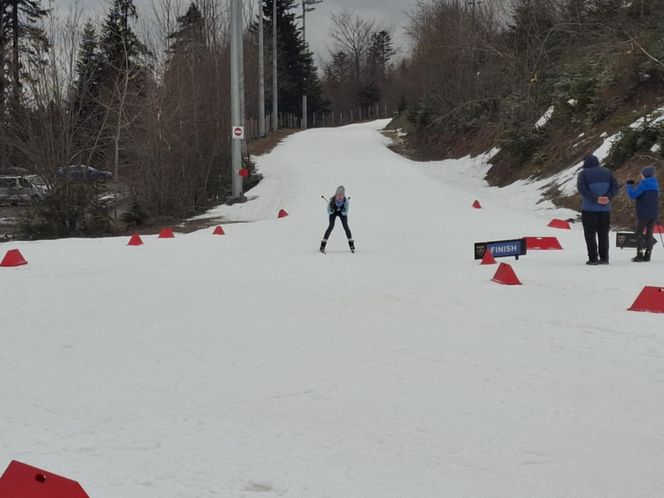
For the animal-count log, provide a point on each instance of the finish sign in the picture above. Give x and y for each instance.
(502, 248)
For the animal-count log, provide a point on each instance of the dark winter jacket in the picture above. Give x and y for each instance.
(593, 182)
(342, 208)
(646, 194)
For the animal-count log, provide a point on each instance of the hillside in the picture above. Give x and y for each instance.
(542, 83)
(562, 152)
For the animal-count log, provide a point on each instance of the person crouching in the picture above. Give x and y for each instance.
(338, 207)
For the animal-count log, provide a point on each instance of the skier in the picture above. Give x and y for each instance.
(646, 194)
(597, 187)
(338, 206)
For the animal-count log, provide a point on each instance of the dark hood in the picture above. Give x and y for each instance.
(590, 162)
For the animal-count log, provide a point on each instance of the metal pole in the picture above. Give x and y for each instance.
(275, 105)
(261, 73)
(304, 41)
(236, 145)
(240, 45)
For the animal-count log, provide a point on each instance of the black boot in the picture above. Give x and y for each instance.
(351, 244)
(323, 243)
(639, 257)
(646, 256)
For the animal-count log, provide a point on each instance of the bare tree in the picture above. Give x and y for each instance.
(353, 35)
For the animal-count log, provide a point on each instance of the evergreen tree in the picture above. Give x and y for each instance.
(87, 64)
(27, 38)
(337, 82)
(21, 42)
(296, 71)
(120, 47)
(123, 76)
(85, 105)
(531, 23)
(379, 55)
(4, 32)
(189, 38)
(381, 52)
(368, 95)
(338, 71)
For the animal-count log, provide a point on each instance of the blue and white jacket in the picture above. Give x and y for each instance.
(333, 207)
(593, 182)
(646, 194)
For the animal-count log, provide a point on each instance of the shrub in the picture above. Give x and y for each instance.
(136, 215)
(632, 142)
(519, 144)
(68, 209)
(577, 97)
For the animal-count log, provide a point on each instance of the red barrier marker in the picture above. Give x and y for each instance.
(487, 258)
(135, 240)
(505, 275)
(218, 230)
(24, 481)
(542, 243)
(556, 223)
(13, 258)
(166, 233)
(477, 205)
(650, 300)
(282, 213)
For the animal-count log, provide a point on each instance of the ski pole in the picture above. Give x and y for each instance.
(326, 199)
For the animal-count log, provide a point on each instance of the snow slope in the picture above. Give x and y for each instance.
(252, 365)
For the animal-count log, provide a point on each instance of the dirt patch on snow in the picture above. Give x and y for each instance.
(424, 148)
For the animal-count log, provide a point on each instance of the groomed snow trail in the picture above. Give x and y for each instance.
(252, 365)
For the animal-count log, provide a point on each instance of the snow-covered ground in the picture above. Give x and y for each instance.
(252, 365)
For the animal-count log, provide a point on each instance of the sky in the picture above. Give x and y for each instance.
(392, 14)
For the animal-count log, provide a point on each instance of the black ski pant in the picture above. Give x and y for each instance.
(644, 238)
(596, 225)
(344, 222)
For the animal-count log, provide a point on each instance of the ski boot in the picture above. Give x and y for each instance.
(646, 256)
(639, 257)
(323, 243)
(351, 244)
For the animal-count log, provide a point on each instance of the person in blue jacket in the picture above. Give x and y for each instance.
(338, 207)
(646, 194)
(597, 187)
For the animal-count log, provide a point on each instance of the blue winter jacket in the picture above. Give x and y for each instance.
(595, 181)
(646, 194)
(333, 208)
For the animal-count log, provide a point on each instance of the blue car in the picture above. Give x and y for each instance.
(83, 173)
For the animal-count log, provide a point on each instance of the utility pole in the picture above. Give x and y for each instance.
(261, 73)
(237, 130)
(275, 104)
(305, 3)
(243, 108)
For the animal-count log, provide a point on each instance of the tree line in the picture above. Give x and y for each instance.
(153, 108)
(494, 68)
